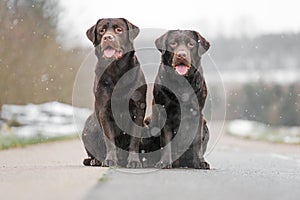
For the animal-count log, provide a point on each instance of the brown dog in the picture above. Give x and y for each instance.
(181, 58)
(113, 41)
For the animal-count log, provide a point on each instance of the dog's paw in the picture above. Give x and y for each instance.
(163, 165)
(201, 165)
(134, 164)
(87, 161)
(109, 163)
(94, 162)
(91, 162)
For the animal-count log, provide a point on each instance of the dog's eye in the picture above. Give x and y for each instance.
(173, 44)
(119, 30)
(191, 45)
(102, 31)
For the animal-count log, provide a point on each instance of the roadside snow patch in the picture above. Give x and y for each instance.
(49, 119)
(259, 131)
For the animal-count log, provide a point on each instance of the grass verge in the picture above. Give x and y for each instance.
(104, 179)
(13, 141)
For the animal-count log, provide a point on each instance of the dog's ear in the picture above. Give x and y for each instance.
(133, 30)
(91, 33)
(160, 42)
(203, 44)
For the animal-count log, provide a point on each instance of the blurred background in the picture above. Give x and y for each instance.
(255, 48)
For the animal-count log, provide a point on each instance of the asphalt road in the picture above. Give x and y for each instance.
(46, 171)
(241, 170)
(236, 175)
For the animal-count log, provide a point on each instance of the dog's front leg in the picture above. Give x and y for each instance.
(109, 139)
(166, 157)
(133, 157)
(199, 147)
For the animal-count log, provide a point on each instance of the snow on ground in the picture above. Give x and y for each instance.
(49, 119)
(259, 131)
(278, 76)
(54, 119)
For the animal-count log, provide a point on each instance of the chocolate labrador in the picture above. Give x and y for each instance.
(181, 52)
(106, 143)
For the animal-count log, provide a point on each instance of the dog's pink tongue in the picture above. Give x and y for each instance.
(108, 53)
(181, 69)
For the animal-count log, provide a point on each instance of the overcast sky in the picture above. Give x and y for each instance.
(210, 17)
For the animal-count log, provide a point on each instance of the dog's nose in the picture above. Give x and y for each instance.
(108, 37)
(181, 54)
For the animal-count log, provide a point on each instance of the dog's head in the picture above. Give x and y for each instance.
(182, 49)
(112, 37)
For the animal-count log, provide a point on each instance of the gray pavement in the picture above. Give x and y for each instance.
(241, 170)
(46, 171)
(236, 174)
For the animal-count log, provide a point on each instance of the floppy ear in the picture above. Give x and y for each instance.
(160, 43)
(133, 30)
(203, 44)
(91, 33)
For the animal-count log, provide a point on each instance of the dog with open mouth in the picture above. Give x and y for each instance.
(105, 142)
(181, 52)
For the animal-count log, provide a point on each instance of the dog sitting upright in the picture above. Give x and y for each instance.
(181, 58)
(105, 142)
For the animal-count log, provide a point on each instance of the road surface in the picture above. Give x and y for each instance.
(241, 170)
(46, 171)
